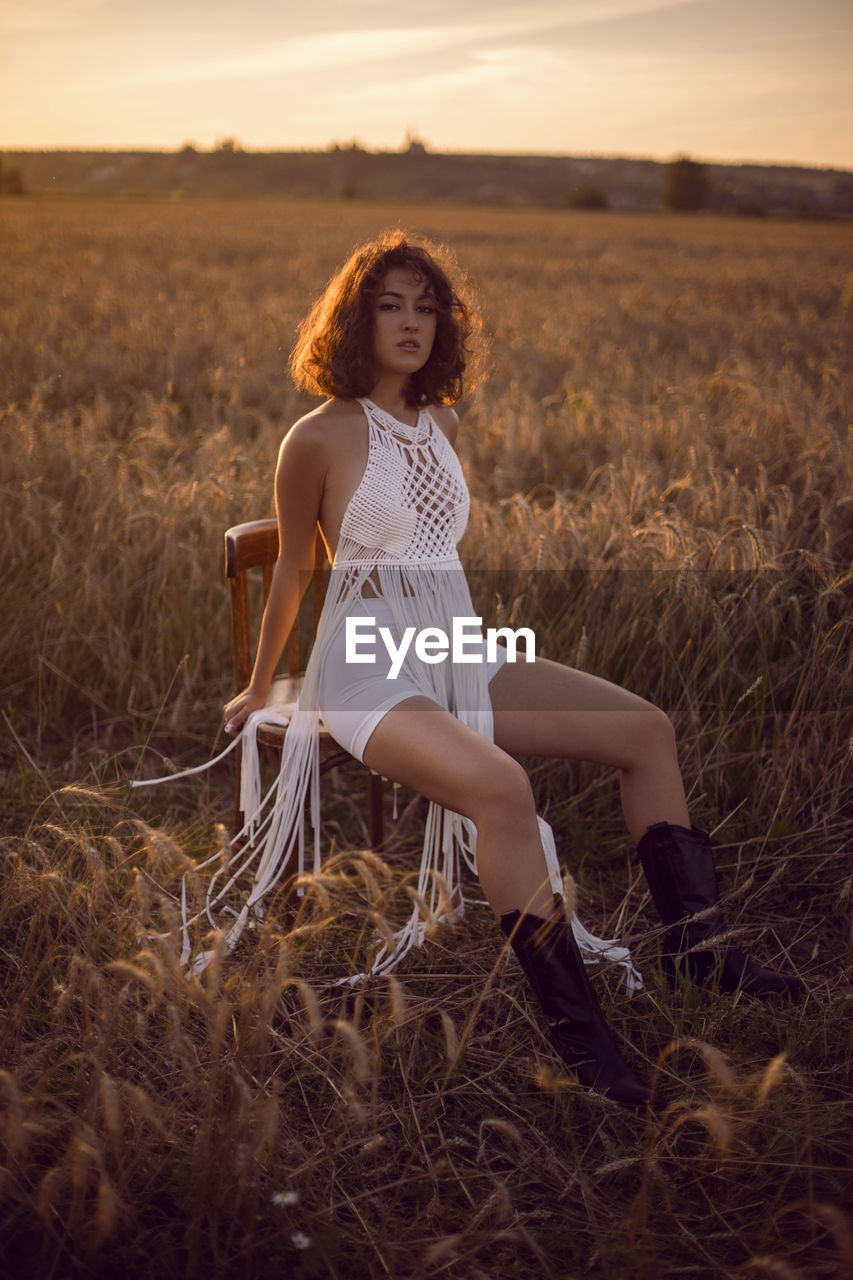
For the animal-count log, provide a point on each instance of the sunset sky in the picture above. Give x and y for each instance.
(765, 80)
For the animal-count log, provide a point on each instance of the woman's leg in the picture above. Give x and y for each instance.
(426, 748)
(545, 709)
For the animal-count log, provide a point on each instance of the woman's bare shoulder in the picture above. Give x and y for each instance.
(323, 429)
(323, 424)
(446, 419)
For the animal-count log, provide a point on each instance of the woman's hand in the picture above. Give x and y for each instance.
(239, 708)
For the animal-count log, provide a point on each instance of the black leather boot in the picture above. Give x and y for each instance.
(679, 867)
(553, 966)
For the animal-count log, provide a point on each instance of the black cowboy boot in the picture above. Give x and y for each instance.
(679, 868)
(552, 964)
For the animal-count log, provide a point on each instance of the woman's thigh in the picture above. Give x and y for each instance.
(544, 708)
(423, 746)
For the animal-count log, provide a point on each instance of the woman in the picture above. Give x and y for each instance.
(374, 466)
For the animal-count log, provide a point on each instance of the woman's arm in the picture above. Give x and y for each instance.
(299, 478)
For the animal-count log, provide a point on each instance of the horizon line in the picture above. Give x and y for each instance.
(355, 146)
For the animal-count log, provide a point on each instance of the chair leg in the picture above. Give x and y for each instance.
(375, 819)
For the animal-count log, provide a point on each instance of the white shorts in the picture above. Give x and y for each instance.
(354, 697)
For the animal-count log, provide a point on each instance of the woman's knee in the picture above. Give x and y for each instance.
(650, 734)
(502, 791)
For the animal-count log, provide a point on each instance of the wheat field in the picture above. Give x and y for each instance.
(660, 465)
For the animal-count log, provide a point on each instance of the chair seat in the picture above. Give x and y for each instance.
(283, 695)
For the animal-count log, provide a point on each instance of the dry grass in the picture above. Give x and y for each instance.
(661, 471)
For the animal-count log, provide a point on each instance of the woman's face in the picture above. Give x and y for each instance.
(404, 323)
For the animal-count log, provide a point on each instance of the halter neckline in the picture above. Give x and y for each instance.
(416, 432)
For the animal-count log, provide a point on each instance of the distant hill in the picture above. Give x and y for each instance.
(419, 174)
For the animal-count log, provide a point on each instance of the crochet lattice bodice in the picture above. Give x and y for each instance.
(411, 504)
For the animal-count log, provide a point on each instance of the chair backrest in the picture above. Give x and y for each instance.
(250, 546)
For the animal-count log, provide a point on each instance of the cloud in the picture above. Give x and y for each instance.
(28, 17)
(320, 53)
(303, 56)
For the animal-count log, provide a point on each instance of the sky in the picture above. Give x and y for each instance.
(739, 80)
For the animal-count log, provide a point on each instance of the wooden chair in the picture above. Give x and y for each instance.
(254, 546)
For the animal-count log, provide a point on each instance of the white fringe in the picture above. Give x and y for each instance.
(273, 832)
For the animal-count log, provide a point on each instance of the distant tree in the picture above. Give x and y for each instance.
(585, 196)
(11, 182)
(842, 195)
(807, 205)
(686, 186)
(413, 145)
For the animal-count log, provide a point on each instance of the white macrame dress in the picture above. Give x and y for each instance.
(398, 539)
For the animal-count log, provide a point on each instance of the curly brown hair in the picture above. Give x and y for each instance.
(333, 354)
